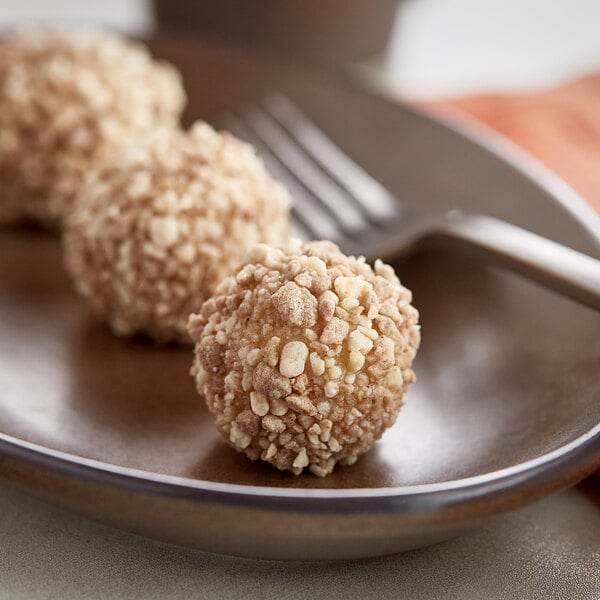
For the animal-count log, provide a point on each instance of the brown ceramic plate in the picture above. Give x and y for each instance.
(506, 408)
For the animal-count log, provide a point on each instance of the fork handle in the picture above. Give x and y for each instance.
(562, 269)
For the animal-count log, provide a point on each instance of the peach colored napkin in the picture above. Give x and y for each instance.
(560, 127)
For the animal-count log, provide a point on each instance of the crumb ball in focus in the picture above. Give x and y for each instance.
(154, 230)
(305, 354)
(68, 98)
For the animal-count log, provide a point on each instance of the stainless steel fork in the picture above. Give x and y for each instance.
(336, 199)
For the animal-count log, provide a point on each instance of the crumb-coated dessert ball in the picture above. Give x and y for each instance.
(68, 98)
(305, 354)
(154, 230)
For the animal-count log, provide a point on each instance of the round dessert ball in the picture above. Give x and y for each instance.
(153, 231)
(67, 99)
(305, 354)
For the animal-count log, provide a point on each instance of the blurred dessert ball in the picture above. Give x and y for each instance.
(155, 229)
(67, 99)
(305, 354)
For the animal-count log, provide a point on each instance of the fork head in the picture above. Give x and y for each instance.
(335, 198)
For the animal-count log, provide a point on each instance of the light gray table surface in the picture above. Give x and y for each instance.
(548, 550)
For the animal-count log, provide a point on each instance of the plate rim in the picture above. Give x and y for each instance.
(558, 468)
(406, 499)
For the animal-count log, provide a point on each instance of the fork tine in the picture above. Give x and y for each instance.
(233, 124)
(349, 219)
(308, 215)
(374, 199)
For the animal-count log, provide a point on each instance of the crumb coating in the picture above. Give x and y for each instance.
(154, 230)
(304, 355)
(68, 98)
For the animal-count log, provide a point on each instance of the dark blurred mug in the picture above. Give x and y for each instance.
(332, 29)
